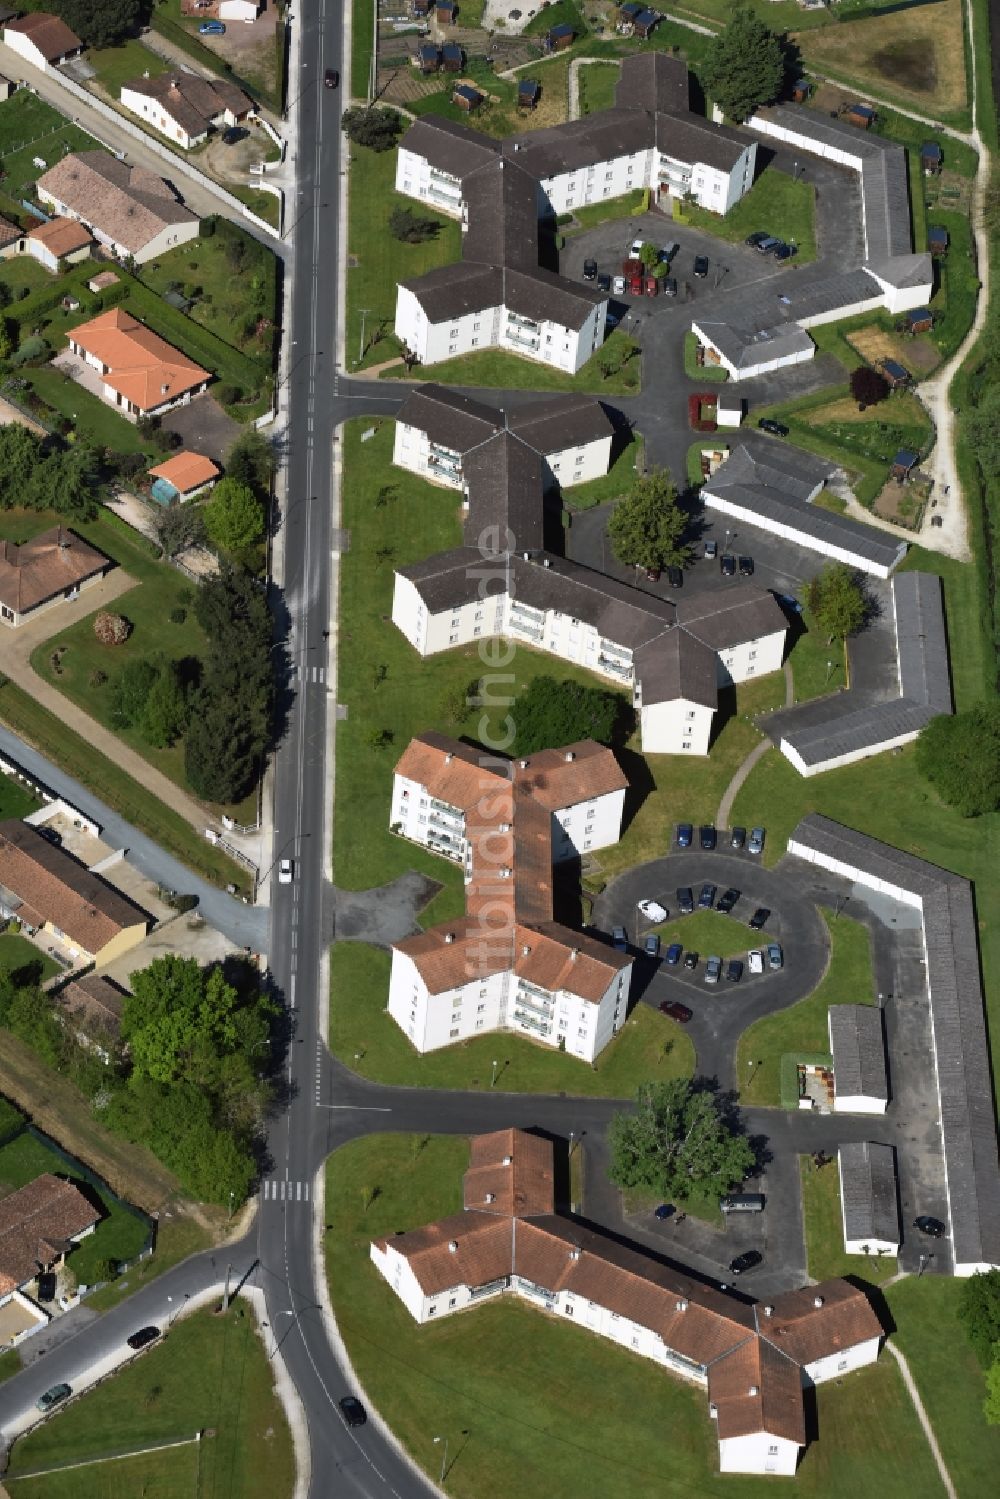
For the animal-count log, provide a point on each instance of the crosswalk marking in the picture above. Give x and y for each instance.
(280, 1190)
(317, 674)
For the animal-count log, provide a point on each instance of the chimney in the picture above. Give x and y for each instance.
(448, 758)
(523, 764)
(507, 1161)
(164, 389)
(449, 936)
(574, 1253)
(817, 1302)
(713, 1410)
(753, 1390)
(526, 556)
(525, 950)
(546, 562)
(769, 1311)
(64, 541)
(452, 1245)
(569, 757)
(680, 1306)
(574, 953)
(489, 1197)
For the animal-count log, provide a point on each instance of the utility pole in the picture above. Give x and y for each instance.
(225, 1294)
(364, 313)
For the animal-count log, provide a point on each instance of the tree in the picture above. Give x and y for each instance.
(991, 1405)
(552, 713)
(960, 756)
(131, 690)
(250, 460)
(178, 527)
(678, 1138)
(979, 1313)
(982, 431)
(234, 517)
(744, 65)
(99, 23)
(649, 255)
(374, 126)
(647, 524)
(112, 629)
(838, 601)
(8, 337)
(409, 227)
(164, 716)
(868, 387)
(176, 1011)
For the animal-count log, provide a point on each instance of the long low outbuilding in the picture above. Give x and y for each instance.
(857, 1044)
(869, 1198)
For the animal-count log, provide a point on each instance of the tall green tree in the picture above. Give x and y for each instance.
(647, 525)
(991, 1405)
(164, 715)
(233, 517)
(837, 600)
(744, 65)
(99, 23)
(960, 756)
(250, 460)
(175, 1011)
(550, 713)
(979, 1313)
(130, 691)
(677, 1138)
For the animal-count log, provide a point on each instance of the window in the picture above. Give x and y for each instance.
(590, 811)
(478, 614)
(478, 630)
(751, 670)
(456, 1003)
(451, 641)
(753, 655)
(5, 612)
(568, 1309)
(475, 343)
(480, 1024)
(480, 1009)
(608, 176)
(431, 1310)
(685, 744)
(476, 327)
(453, 1301)
(406, 796)
(772, 1451)
(690, 713)
(482, 994)
(582, 1032)
(453, 1034)
(452, 348)
(453, 333)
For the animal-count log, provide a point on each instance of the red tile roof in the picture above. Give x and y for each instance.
(62, 236)
(56, 888)
(48, 33)
(141, 366)
(36, 1226)
(45, 566)
(818, 1320)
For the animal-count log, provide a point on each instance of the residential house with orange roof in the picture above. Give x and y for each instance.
(143, 374)
(754, 1361)
(52, 566)
(507, 965)
(182, 477)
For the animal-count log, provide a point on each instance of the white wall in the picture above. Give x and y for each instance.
(751, 658)
(857, 1103)
(595, 183)
(580, 463)
(167, 239)
(759, 1452)
(676, 728)
(851, 758)
(155, 115)
(849, 309)
(843, 1361)
(854, 874)
(594, 823)
(903, 298)
(412, 449)
(439, 190)
(800, 537)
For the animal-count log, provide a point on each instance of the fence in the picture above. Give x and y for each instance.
(52, 800)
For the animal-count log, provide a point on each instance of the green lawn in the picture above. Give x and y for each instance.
(954, 302)
(778, 203)
(18, 954)
(817, 668)
(92, 418)
(15, 800)
(362, 29)
(123, 63)
(120, 1235)
(825, 1253)
(592, 214)
(156, 1475)
(802, 1028)
(209, 1373)
(264, 205)
(21, 272)
(559, 13)
(497, 115)
(519, 1392)
(28, 128)
(598, 82)
(701, 1202)
(701, 372)
(948, 1377)
(496, 367)
(613, 484)
(10, 1364)
(707, 932)
(378, 260)
(369, 1041)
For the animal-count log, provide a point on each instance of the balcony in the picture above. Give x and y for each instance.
(444, 458)
(528, 1023)
(438, 195)
(534, 1006)
(522, 627)
(522, 339)
(447, 810)
(491, 1288)
(515, 321)
(614, 667)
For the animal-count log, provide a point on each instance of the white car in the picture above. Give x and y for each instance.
(285, 872)
(652, 910)
(618, 286)
(635, 249)
(755, 961)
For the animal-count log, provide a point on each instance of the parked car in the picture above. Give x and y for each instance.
(775, 957)
(727, 565)
(685, 832)
(734, 970)
(755, 960)
(706, 900)
(676, 1011)
(713, 967)
(711, 550)
(768, 424)
(619, 938)
(652, 947)
(787, 601)
(604, 283)
(670, 286)
(652, 910)
(707, 837)
(51, 835)
(748, 1260)
(234, 135)
(635, 249)
(618, 287)
(691, 961)
(728, 900)
(212, 28)
(737, 837)
(143, 1337)
(685, 900)
(590, 270)
(756, 844)
(674, 954)
(352, 1410)
(669, 251)
(331, 78)
(653, 574)
(785, 252)
(285, 870)
(757, 238)
(746, 567)
(701, 266)
(52, 1397)
(675, 577)
(769, 243)
(46, 1286)
(931, 1226)
(759, 918)
(665, 1210)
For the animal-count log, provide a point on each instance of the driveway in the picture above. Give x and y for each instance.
(203, 427)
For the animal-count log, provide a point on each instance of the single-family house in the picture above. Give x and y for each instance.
(931, 159)
(560, 37)
(527, 93)
(131, 210)
(91, 1007)
(142, 373)
(896, 375)
(42, 39)
(48, 891)
(39, 1225)
(10, 239)
(937, 240)
(182, 477)
(52, 566)
(467, 97)
(185, 107)
(861, 115)
(903, 464)
(919, 320)
(58, 243)
(869, 1198)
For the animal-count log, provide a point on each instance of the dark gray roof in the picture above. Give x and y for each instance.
(868, 1187)
(903, 270)
(447, 579)
(921, 640)
(858, 1048)
(449, 146)
(545, 297)
(691, 138)
(501, 202)
(746, 346)
(562, 421)
(654, 82)
(849, 730)
(462, 423)
(958, 1027)
(451, 291)
(675, 665)
(581, 143)
(450, 418)
(774, 465)
(503, 479)
(722, 620)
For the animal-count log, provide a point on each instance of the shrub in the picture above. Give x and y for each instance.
(112, 629)
(97, 678)
(178, 616)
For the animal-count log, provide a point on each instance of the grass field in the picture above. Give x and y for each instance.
(239, 292)
(91, 417)
(825, 1253)
(715, 373)
(369, 1041)
(209, 1372)
(522, 1393)
(707, 932)
(778, 203)
(115, 66)
(15, 800)
(802, 1028)
(913, 54)
(592, 214)
(362, 31)
(156, 1475)
(496, 367)
(28, 128)
(597, 87)
(609, 486)
(17, 954)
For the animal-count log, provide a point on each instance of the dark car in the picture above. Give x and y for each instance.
(675, 577)
(143, 1337)
(676, 1011)
(737, 837)
(711, 550)
(234, 135)
(932, 1226)
(674, 954)
(670, 286)
(734, 970)
(51, 835)
(728, 900)
(707, 837)
(652, 946)
(590, 270)
(758, 920)
(768, 244)
(746, 567)
(46, 1286)
(331, 78)
(727, 565)
(706, 900)
(785, 252)
(352, 1410)
(665, 1210)
(691, 960)
(604, 283)
(685, 833)
(685, 900)
(701, 266)
(52, 1397)
(619, 938)
(748, 1260)
(758, 238)
(768, 424)
(756, 843)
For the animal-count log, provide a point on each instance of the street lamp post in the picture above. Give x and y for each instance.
(829, 670)
(444, 1457)
(493, 1083)
(178, 1307)
(364, 313)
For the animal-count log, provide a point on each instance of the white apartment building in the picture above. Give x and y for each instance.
(754, 1361)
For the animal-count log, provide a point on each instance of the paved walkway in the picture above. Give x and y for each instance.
(757, 753)
(923, 1418)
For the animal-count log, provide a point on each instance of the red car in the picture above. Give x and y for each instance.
(676, 1011)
